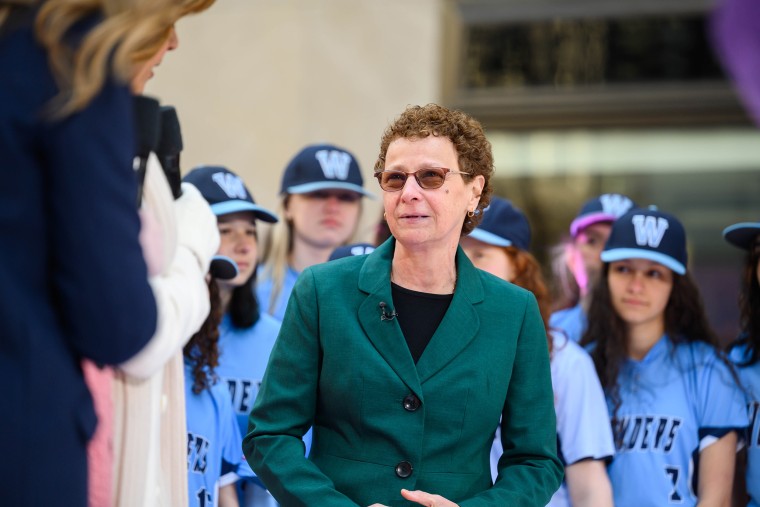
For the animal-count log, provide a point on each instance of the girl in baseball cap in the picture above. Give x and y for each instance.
(673, 400)
(320, 202)
(237, 338)
(500, 245)
(744, 352)
(576, 263)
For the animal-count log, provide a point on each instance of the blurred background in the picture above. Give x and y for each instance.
(578, 97)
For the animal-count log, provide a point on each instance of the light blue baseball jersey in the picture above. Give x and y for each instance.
(675, 402)
(750, 378)
(583, 426)
(572, 321)
(264, 292)
(212, 437)
(243, 357)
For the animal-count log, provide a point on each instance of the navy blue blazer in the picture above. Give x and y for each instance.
(73, 282)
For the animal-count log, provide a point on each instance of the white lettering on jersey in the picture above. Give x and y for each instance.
(334, 163)
(649, 230)
(646, 433)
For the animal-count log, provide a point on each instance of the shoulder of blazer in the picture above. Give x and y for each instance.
(337, 274)
(492, 288)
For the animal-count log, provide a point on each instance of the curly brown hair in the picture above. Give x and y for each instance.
(202, 350)
(465, 132)
(685, 322)
(528, 276)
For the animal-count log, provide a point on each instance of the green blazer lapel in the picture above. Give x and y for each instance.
(459, 326)
(385, 335)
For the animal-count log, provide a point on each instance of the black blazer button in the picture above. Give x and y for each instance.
(404, 469)
(411, 403)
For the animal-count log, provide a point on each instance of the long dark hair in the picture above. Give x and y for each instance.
(685, 322)
(243, 308)
(202, 350)
(749, 308)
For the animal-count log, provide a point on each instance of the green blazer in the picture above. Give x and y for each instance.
(380, 422)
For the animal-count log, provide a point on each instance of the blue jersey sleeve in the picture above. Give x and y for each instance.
(722, 403)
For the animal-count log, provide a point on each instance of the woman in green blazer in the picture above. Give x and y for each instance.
(406, 360)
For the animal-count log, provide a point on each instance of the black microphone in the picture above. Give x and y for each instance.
(223, 268)
(385, 315)
(147, 126)
(169, 148)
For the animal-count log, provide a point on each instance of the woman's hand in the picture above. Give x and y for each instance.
(422, 498)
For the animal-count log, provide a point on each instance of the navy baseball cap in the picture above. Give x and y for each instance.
(503, 225)
(323, 167)
(604, 208)
(742, 234)
(648, 234)
(351, 250)
(225, 192)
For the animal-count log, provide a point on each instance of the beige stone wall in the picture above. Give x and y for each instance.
(253, 81)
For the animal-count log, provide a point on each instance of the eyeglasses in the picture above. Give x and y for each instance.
(428, 178)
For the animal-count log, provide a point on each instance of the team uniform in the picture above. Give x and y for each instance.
(675, 402)
(264, 292)
(583, 431)
(212, 437)
(571, 321)
(750, 378)
(243, 357)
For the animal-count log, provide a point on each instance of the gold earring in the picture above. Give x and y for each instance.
(384, 217)
(471, 214)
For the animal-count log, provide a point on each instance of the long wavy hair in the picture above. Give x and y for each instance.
(685, 322)
(243, 307)
(529, 277)
(278, 246)
(749, 308)
(129, 32)
(202, 351)
(565, 290)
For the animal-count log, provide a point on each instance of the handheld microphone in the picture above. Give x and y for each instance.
(385, 315)
(223, 268)
(147, 118)
(169, 148)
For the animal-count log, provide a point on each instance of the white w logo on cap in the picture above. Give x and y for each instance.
(649, 230)
(230, 184)
(615, 204)
(334, 164)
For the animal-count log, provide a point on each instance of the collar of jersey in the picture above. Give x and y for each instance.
(656, 352)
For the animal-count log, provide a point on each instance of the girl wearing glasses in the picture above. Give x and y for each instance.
(404, 361)
(675, 407)
(745, 354)
(499, 245)
(321, 195)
